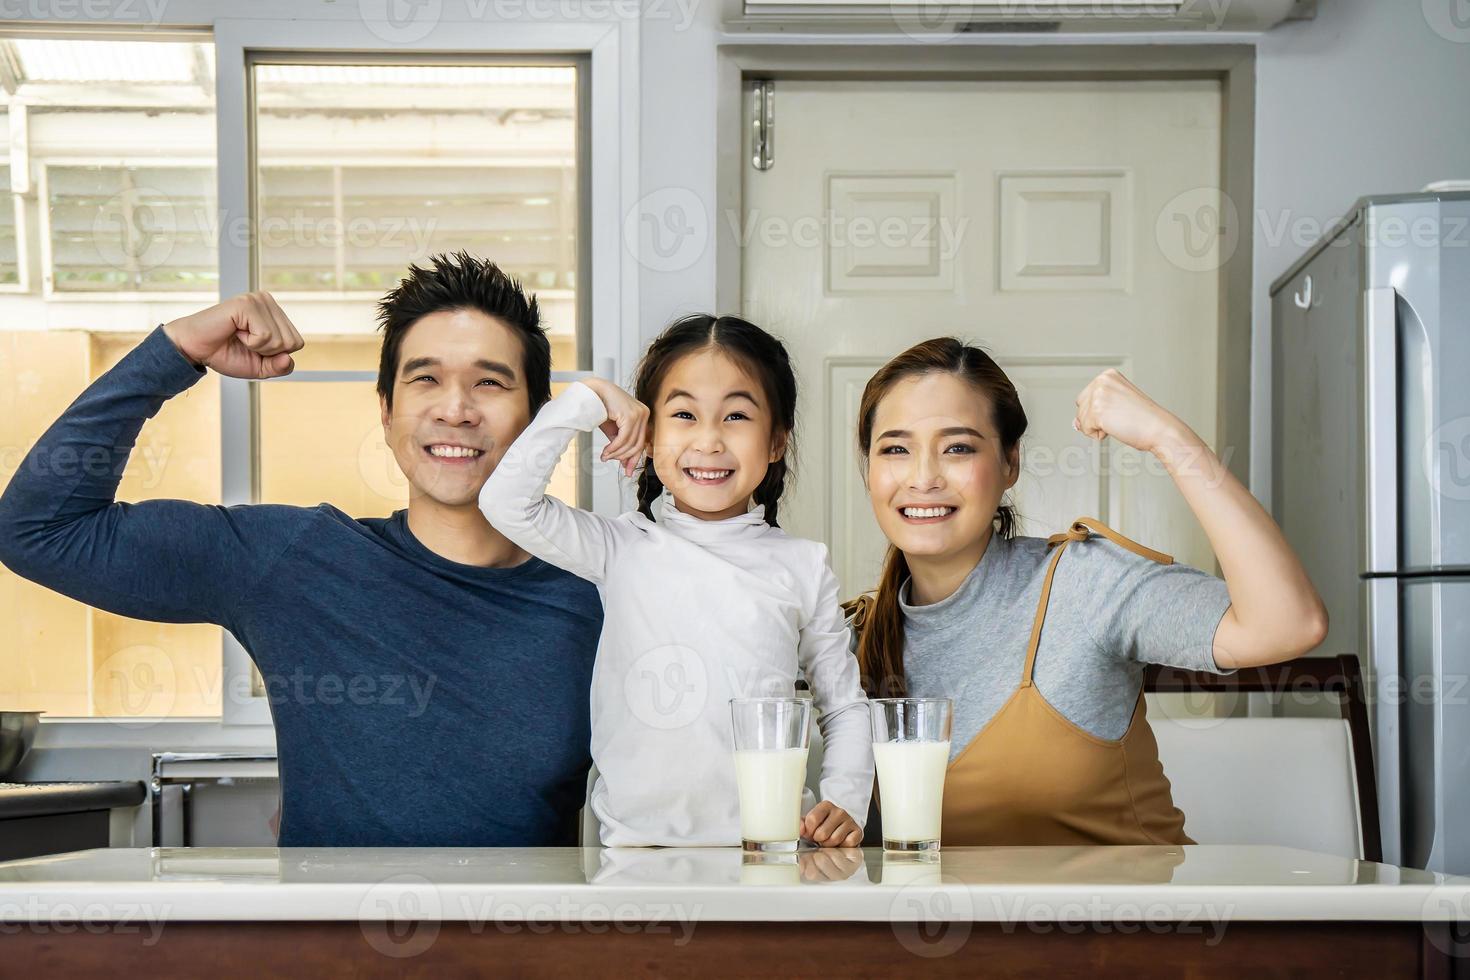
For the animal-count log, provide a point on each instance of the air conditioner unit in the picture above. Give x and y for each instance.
(929, 17)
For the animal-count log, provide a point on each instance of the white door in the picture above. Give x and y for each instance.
(1034, 218)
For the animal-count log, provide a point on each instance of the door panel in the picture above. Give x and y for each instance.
(1034, 218)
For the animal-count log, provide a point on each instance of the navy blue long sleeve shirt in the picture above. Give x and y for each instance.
(416, 700)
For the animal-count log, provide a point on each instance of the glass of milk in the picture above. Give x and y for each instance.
(911, 750)
(772, 736)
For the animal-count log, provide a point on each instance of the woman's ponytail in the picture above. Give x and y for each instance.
(878, 621)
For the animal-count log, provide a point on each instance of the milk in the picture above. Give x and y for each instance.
(770, 869)
(770, 783)
(911, 788)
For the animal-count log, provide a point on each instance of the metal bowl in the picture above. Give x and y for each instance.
(17, 732)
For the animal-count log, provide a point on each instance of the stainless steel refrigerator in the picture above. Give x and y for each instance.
(1371, 485)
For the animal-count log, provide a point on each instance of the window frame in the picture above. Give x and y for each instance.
(49, 292)
(605, 52)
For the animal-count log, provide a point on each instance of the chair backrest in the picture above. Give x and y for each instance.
(1303, 782)
(1286, 781)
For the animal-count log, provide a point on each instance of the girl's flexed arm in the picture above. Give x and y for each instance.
(514, 499)
(842, 714)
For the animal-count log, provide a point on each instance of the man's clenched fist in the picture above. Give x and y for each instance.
(246, 336)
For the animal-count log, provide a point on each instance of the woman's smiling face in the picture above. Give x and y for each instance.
(936, 467)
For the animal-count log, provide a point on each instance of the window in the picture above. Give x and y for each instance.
(111, 227)
(363, 169)
(115, 228)
(111, 195)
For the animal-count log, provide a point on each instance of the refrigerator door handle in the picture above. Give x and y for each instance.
(1385, 697)
(1380, 419)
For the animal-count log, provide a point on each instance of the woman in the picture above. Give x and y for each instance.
(1044, 654)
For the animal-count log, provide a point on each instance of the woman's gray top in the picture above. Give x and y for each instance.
(1110, 612)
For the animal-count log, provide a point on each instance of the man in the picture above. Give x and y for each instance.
(428, 679)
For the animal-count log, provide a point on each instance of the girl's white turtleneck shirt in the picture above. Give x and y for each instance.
(695, 613)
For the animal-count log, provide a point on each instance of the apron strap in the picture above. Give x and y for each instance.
(1079, 531)
(1083, 526)
(1041, 609)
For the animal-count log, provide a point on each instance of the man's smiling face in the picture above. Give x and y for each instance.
(459, 400)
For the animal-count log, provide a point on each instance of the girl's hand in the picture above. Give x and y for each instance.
(1111, 405)
(626, 427)
(830, 826)
(829, 864)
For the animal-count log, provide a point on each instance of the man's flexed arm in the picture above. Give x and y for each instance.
(166, 560)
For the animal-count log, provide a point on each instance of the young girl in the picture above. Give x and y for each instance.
(705, 598)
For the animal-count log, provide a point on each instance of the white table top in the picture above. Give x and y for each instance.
(993, 884)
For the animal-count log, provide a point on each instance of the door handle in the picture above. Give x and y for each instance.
(1303, 299)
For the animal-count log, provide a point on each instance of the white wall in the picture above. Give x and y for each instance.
(1368, 98)
(676, 159)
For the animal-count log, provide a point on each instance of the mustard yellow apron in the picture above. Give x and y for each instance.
(1030, 776)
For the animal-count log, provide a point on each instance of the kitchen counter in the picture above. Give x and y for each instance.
(1234, 898)
(52, 817)
(45, 799)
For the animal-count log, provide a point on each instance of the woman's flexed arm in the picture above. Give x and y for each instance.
(1275, 613)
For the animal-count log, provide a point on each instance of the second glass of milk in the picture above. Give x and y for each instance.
(772, 736)
(911, 751)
